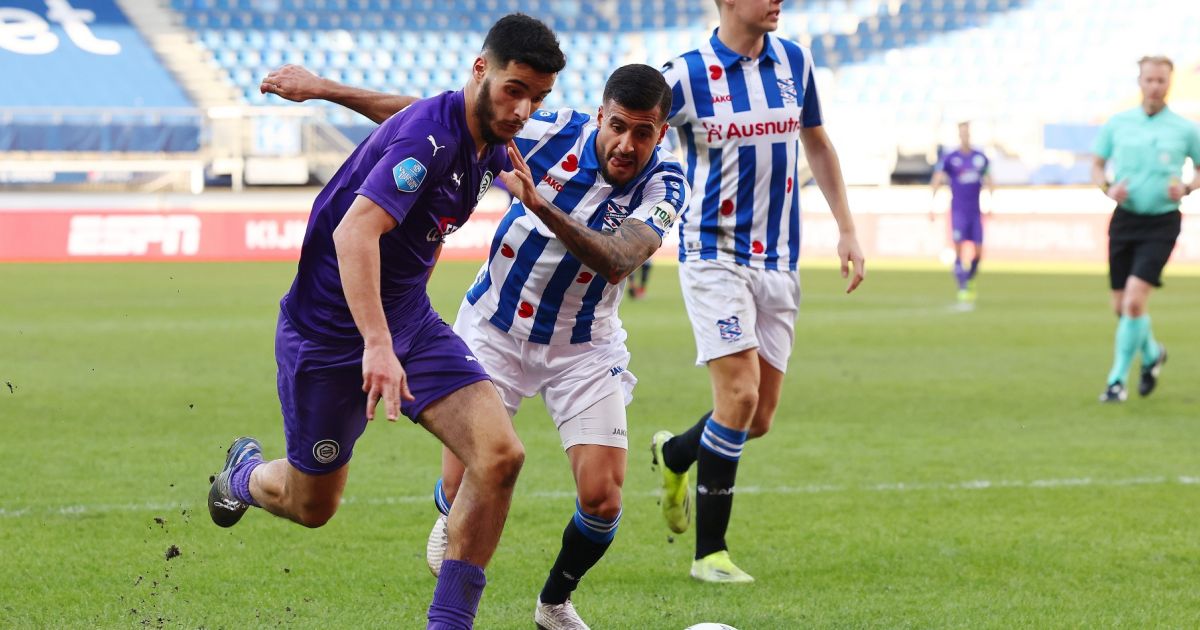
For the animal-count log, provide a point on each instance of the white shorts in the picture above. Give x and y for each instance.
(577, 381)
(734, 308)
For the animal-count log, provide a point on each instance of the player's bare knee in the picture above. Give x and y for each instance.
(601, 497)
(607, 509)
(501, 464)
(1134, 308)
(743, 398)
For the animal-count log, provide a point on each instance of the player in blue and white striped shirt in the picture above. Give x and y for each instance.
(594, 199)
(741, 101)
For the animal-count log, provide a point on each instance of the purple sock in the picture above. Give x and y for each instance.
(239, 480)
(974, 268)
(456, 597)
(960, 274)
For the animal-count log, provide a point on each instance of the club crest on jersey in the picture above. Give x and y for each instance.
(614, 215)
(409, 174)
(787, 90)
(730, 329)
(445, 227)
(484, 184)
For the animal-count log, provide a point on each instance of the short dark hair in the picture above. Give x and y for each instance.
(523, 39)
(639, 87)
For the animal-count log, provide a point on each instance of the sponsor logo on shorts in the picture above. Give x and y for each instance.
(470, 358)
(730, 329)
(326, 451)
(409, 174)
(620, 432)
(616, 370)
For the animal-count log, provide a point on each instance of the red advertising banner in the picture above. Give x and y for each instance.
(104, 235)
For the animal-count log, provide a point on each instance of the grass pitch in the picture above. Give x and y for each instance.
(928, 468)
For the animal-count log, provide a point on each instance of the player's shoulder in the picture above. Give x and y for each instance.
(679, 63)
(434, 115)
(1131, 115)
(791, 51)
(1179, 121)
(546, 123)
(666, 162)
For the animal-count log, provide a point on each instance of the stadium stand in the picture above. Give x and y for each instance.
(1035, 76)
(85, 80)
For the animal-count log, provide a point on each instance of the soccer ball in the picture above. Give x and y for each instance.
(708, 625)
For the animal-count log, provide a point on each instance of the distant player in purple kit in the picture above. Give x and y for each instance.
(357, 326)
(595, 197)
(966, 169)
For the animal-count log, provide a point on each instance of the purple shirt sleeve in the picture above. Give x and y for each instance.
(415, 159)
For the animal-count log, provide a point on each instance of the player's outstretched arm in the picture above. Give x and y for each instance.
(298, 84)
(827, 170)
(356, 240)
(614, 255)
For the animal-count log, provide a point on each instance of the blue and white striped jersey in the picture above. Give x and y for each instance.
(530, 286)
(739, 122)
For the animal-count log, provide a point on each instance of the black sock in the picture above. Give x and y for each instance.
(679, 453)
(645, 274)
(578, 554)
(714, 501)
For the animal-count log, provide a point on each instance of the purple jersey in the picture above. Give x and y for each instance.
(965, 172)
(421, 167)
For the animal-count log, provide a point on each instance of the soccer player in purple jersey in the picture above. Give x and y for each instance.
(966, 169)
(595, 199)
(745, 104)
(357, 327)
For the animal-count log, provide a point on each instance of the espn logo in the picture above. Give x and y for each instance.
(133, 235)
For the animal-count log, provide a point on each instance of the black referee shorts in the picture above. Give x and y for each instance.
(1139, 245)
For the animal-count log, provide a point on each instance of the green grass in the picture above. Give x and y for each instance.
(928, 468)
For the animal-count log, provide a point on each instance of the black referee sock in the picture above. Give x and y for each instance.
(580, 552)
(714, 501)
(679, 453)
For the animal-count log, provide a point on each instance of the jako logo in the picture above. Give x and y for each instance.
(616, 370)
(553, 183)
(27, 33)
(132, 235)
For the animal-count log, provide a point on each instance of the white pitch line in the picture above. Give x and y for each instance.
(77, 509)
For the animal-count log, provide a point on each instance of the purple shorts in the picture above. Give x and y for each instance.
(320, 386)
(966, 226)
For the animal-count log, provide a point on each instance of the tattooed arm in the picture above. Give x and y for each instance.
(613, 255)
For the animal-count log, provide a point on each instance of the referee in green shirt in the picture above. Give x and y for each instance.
(1147, 146)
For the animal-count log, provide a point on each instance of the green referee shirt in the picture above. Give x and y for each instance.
(1148, 153)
